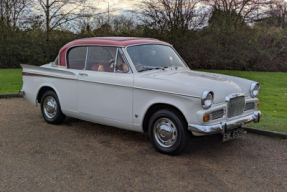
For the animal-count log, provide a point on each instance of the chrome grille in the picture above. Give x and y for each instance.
(249, 106)
(235, 106)
(217, 114)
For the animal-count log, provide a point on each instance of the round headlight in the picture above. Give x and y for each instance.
(254, 89)
(207, 99)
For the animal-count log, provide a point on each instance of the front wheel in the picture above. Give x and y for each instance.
(168, 132)
(51, 109)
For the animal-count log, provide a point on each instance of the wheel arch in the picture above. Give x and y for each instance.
(155, 107)
(42, 90)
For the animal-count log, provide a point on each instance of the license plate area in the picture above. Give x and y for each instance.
(232, 134)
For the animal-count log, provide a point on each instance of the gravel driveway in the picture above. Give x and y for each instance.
(83, 156)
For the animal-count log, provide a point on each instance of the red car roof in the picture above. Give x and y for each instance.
(110, 41)
(114, 41)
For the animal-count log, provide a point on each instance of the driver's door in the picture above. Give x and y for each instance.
(105, 95)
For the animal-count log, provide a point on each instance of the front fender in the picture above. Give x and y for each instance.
(144, 99)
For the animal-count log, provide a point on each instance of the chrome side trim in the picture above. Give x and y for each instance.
(186, 95)
(105, 83)
(50, 76)
(223, 126)
(46, 75)
(166, 92)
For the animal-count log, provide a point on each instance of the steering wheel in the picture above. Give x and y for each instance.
(138, 66)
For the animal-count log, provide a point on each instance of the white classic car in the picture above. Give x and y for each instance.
(143, 85)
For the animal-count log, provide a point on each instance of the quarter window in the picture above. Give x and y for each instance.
(122, 64)
(77, 58)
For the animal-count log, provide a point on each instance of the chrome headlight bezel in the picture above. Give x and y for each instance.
(255, 86)
(204, 98)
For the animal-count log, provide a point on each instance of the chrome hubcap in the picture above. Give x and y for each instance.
(50, 107)
(165, 132)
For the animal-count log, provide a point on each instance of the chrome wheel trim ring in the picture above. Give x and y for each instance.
(50, 107)
(165, 132)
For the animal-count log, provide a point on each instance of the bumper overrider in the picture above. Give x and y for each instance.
(225, 125)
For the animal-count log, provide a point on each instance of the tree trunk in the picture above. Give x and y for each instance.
(47, 20)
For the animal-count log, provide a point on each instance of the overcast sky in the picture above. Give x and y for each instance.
(118, 5)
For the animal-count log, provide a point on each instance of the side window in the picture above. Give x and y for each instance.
(101, 59)
(77, 58)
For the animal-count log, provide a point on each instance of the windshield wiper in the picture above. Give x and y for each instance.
(162, 68)
(145, 69)
(151, 68)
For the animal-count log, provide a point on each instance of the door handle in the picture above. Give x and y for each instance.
(83, 74)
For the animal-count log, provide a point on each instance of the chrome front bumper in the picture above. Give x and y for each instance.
(225, 125)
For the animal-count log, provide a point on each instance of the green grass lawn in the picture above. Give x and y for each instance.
(272, 97)
(273, 94)
(10, 80)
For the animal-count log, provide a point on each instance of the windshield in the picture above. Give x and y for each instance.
(154, 56)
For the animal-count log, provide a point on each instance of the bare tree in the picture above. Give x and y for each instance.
(122, 23)
(11, 11)
(84, 25)
(60, 12)
(278, 13)
(246, 10)
(172, 14)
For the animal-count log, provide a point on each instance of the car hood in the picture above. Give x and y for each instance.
(188, 82)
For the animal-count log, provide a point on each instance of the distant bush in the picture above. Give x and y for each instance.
(256, 48)
(31, 47)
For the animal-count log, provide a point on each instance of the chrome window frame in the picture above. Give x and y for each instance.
(96, 45)
(116, 59)
(87, 54)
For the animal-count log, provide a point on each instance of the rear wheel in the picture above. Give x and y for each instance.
(51, 109)
(168, 132)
